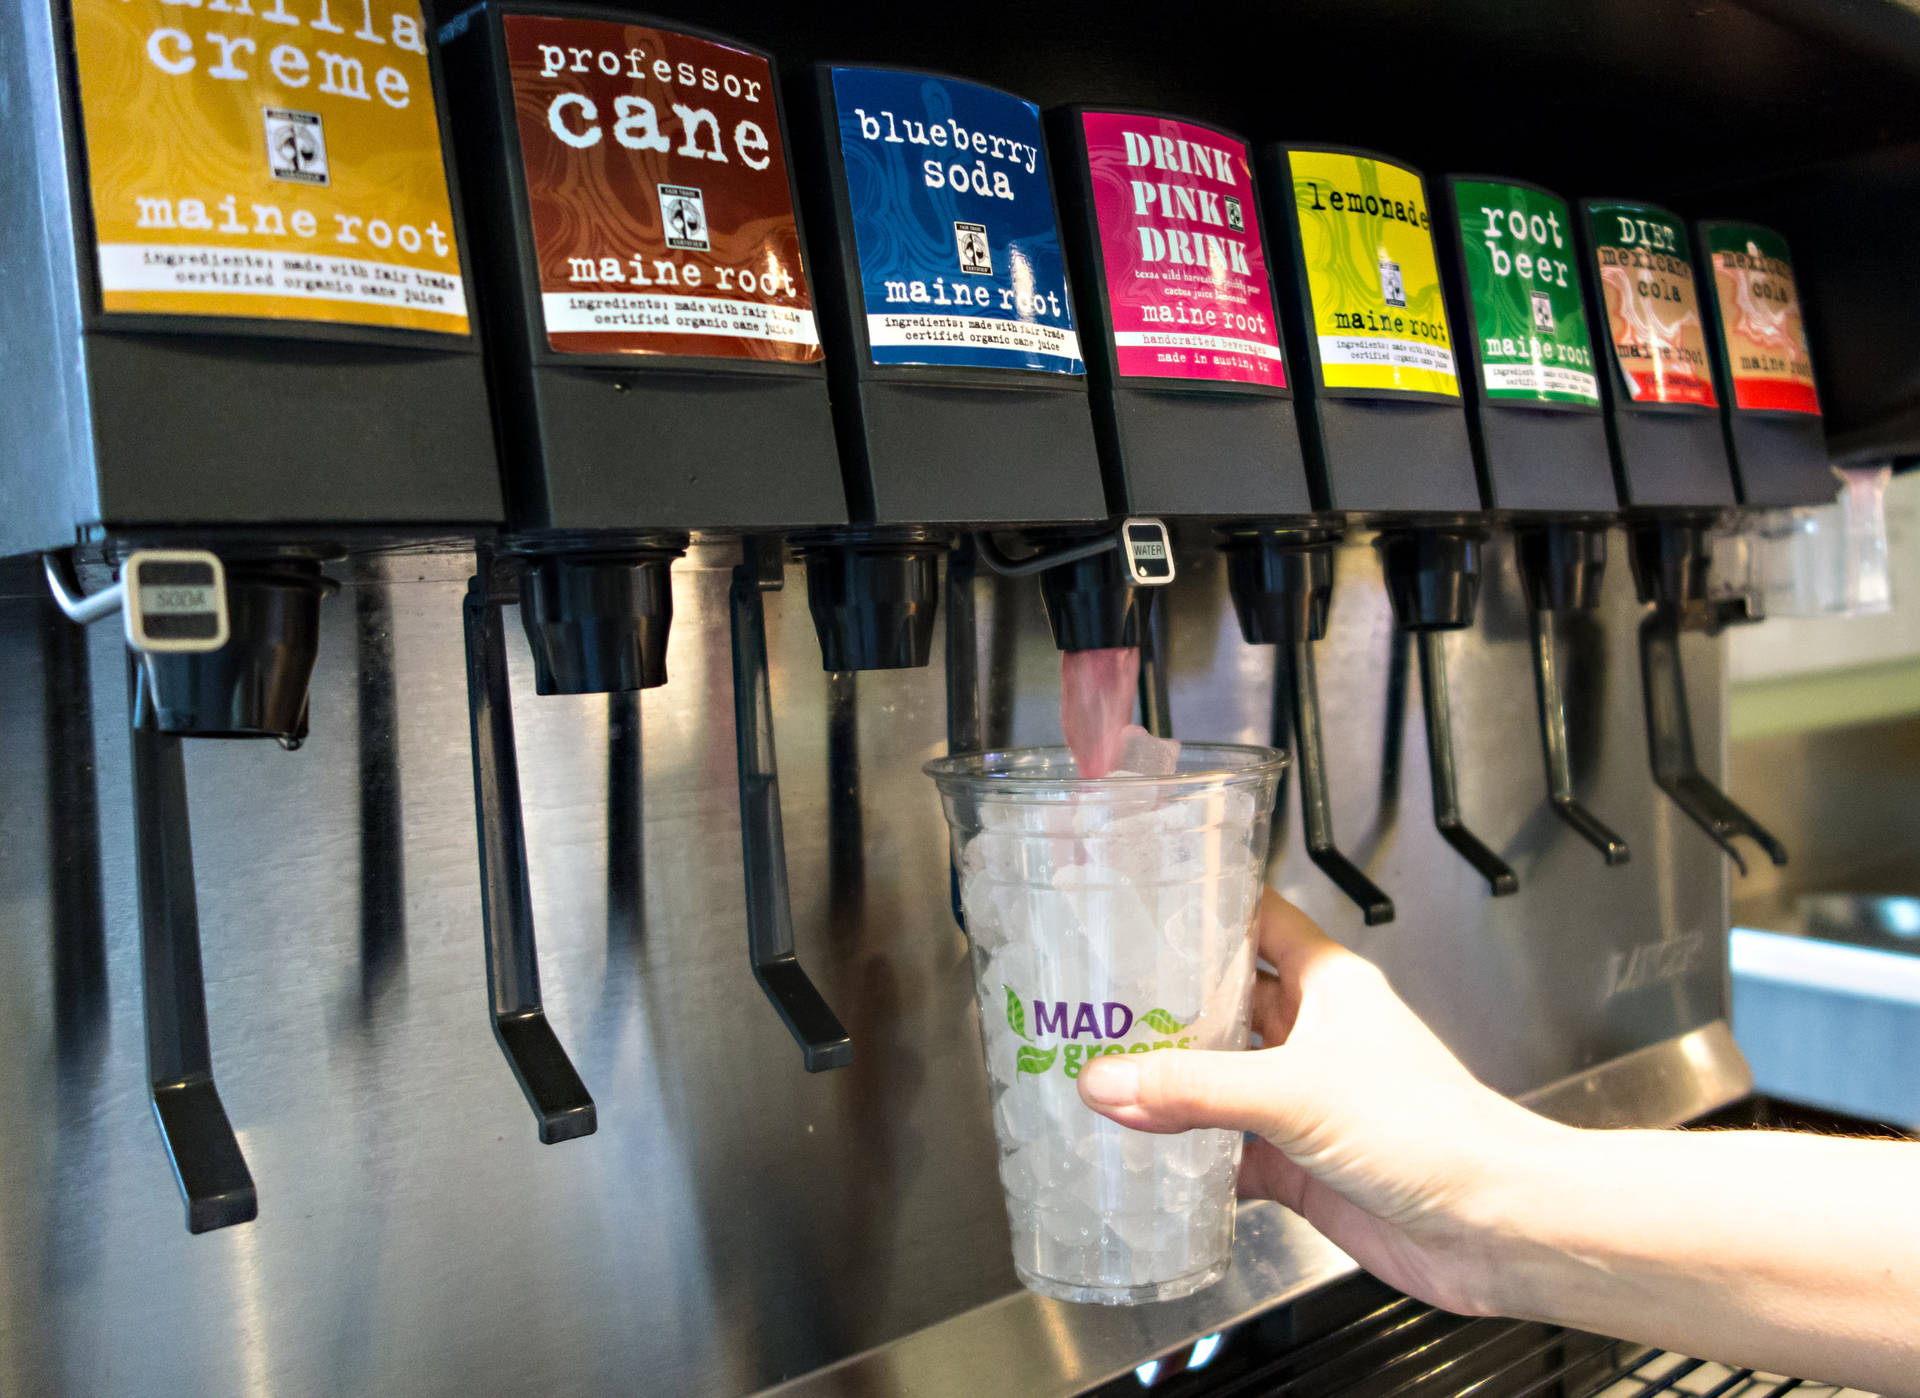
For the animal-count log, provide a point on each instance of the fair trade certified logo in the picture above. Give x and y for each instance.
(296, 146)
(1543, 313)
(975, 256)
(683, 212)
(1236, 220)
(1393, 288)
(1108, 1025)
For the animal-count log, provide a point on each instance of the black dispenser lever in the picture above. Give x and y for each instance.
(207, 1163)
(1560, 570)
(1281, 581)
(964, 733)
(1670, 739)
(1316, 807)
(1433, 581)
(1446, 788)
(823, 1040)
(218, 652)
(1156, 710)
(553, 1089)
(1671, 558)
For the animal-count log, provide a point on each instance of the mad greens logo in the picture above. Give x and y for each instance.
(1085, 1029)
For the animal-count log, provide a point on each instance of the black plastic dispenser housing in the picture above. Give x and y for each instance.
(1769, 403)
(220, 391)
(1193, 397)
(1380, 411)
(952, 340)
(1534, 417)
(656, 372)
(1670, 471)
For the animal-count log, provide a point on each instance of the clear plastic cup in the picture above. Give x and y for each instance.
(1109, 916)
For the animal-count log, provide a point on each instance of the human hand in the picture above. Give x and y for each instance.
(1369, 1127)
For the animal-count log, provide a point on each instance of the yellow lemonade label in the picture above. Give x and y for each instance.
(268, 159)
(1373, 283)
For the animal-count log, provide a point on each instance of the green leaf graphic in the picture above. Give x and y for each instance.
(1036, 1060)
(1161, 1020)
(1016, 1015)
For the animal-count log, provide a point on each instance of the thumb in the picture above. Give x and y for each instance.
(1178, 1089)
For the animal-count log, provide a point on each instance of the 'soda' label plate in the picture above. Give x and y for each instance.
(278, 160)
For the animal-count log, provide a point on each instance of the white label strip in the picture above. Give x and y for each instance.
(1385, 349)
(628, 312)
(1543, 378)
(245, 272)
(971, 332)
(1182, 339)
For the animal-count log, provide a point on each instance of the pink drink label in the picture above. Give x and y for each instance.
(1186, 277)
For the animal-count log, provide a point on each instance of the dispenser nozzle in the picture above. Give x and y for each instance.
(1088, 583)
(873, 597)
(597, 621)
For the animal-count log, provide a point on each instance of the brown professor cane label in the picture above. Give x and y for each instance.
(658, 193)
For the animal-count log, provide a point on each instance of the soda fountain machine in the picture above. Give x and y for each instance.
(1671, 471)
(1380, 411)
(657, 370)
(1534, 419)
(253, 350)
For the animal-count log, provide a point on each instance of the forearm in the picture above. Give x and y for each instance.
(1793, 1253)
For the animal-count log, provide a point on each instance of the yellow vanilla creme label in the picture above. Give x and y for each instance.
(268, 159)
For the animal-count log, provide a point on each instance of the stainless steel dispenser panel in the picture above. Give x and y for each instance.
(736, 1222)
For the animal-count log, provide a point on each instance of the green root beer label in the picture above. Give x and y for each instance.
(1530, 322)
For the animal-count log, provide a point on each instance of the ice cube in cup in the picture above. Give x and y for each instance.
(1109, 915)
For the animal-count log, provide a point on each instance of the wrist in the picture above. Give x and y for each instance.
(1516, 1216)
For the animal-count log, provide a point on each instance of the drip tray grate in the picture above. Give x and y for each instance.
(1359, 1339)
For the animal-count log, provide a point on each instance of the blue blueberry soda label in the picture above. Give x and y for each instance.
(953, 224)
